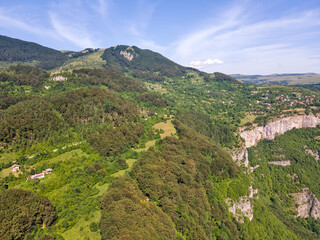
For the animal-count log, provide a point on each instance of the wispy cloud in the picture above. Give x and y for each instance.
(203, 63)
(72, 32)
(240, 38)
(72, 19)
(198, 39)
(12, 22)
(101, 7)
(139, 21)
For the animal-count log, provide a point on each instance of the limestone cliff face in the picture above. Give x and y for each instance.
(240, 156)
(243, 207)
(307, 204)
(280, 126)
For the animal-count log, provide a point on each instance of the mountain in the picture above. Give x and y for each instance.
(122, 143)
(280, 79)
(15, 50)
(123, 58)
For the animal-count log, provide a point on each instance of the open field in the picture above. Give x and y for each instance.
(167, 127)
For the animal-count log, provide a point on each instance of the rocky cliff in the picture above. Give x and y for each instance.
(243, 207)
(307, 204)
(279, 126)
(240, 156)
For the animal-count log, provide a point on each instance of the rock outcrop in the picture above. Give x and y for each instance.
(240, 156)
(280, 163)
(308, 204)
(280, 126)
(59, 78)
(243, 207)
(315, 154)
(127, 55)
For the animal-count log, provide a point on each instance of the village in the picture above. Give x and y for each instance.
(16, 168)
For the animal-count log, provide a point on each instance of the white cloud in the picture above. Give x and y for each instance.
(198, 39)
(204, 63)
(71, 31)
(250, 46)
(9, 22)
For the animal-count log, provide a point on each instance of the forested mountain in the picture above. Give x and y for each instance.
(141, 62)
(15, 50)
(135, 146)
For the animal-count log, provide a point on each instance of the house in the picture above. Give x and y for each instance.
(15, 167)
(40, 175)
(47, 171)
(37, 176)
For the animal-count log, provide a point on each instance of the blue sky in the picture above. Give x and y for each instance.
(248, 37)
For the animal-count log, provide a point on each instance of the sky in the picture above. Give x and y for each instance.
(229, 36)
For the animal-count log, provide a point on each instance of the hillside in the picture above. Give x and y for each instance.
(141, 62)
(14, 50)
(138, 147)
(280, 79)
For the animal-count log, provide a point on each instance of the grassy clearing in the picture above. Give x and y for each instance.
(248, 118)
(149, 144)
(156, 87)
(81, 230)
(63, 157)
(130, 163)
(9, 157)
(92, 60)
(102, 188)
(6, 172)
(167, 127)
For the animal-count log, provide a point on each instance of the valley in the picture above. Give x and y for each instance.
(143, 148)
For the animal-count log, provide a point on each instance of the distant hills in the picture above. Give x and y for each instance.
(280, 79)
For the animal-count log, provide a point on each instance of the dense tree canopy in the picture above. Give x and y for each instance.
(21, 211)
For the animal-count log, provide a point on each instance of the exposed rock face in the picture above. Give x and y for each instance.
(281, 163)
(254, 168)
(59, 78)
(127, 55)
(240, 156)
(280, 126)
(315, 154)
(308, 204)
(243, 207)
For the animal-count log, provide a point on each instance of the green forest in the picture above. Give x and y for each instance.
(141, 149)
